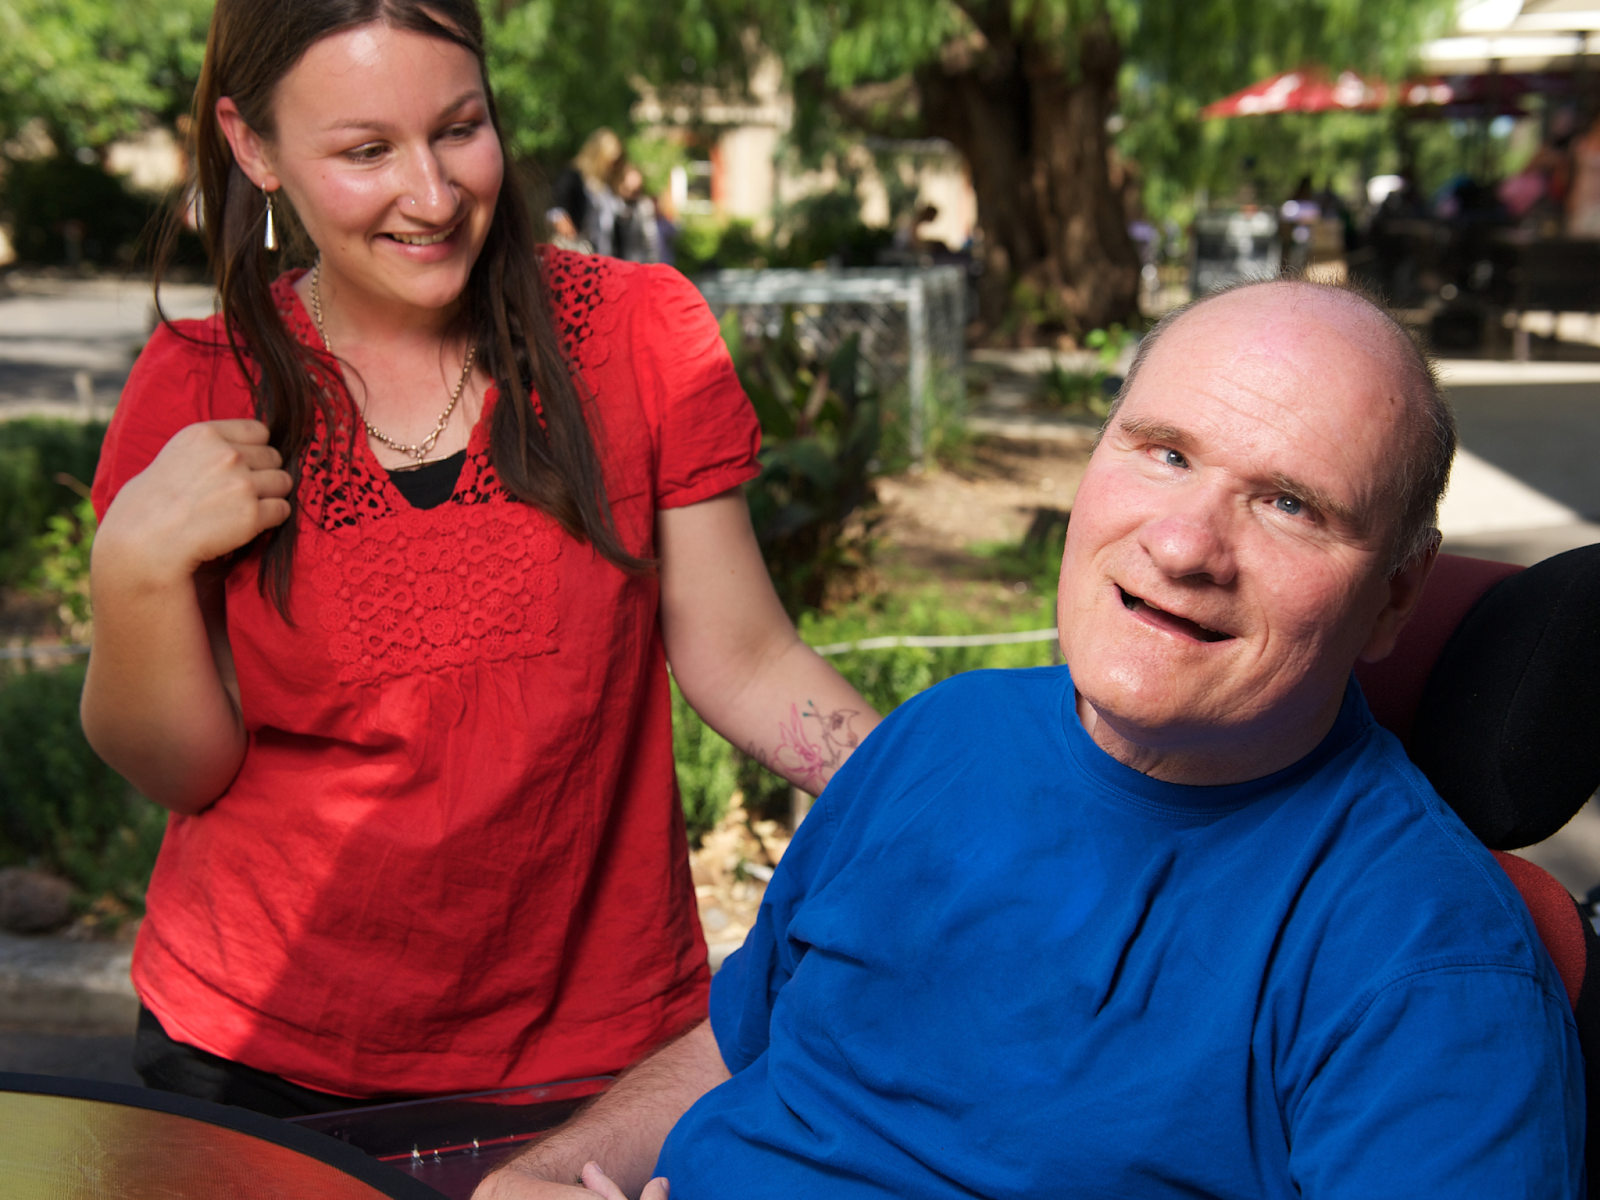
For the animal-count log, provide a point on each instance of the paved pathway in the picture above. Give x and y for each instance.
(66, 1008)
(107, 1057)
(65, 347)
(1526, 484)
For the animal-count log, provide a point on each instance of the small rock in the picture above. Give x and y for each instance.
(33, 902)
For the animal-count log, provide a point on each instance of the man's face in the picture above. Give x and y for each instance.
(1225, 562)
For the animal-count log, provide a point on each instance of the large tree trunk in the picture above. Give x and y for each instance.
(1032, 126)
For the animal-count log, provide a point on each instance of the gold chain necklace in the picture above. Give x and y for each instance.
(421, 450)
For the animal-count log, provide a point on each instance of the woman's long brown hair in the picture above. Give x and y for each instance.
(547, 459)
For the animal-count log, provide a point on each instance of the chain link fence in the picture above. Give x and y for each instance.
(911, 321)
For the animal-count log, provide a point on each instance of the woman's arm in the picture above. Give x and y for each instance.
(160, 703)
(736, 655)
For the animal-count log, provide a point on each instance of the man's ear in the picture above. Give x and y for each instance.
(1405, 589)
(249, 151)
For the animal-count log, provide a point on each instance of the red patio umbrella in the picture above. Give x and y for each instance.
(1305, 90)
(1309, 90)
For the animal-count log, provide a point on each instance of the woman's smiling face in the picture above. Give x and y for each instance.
(384, 145)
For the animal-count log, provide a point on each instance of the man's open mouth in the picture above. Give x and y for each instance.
(1171, 620)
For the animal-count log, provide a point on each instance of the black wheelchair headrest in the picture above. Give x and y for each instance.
(1508, 725)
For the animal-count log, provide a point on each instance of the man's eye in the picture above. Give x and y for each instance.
(1292, 505)
(1173, 459)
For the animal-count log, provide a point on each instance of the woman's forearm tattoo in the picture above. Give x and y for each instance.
(810, 763)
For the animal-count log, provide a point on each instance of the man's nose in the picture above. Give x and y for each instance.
(429, 195)
(1192, 539)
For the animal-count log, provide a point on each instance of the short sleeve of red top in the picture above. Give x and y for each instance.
(454, 857)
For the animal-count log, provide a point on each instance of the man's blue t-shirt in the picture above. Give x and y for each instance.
(996, 962)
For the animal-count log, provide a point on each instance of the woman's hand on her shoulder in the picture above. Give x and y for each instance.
(213, 487)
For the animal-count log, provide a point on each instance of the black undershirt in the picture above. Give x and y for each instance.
(431, 484)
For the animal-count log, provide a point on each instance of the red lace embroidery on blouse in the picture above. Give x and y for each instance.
(583, 283)
(408, 594)
(399, 590)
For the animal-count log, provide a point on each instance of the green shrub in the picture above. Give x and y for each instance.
(1036, 560)
(33, 452)
(1089, 392)
(945, 437)
(63, 571)
(23, 509)
(822, 228)
(712, 243)
(826, 227)
(60, 806)
(707, 769)
(820, 431)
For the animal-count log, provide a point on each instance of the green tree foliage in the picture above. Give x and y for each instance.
(38, 196)
(562, 68)
(1024, 89)
(96, 70)
(1187, 158)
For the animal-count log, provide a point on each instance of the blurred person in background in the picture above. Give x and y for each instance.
(1583, 201)
(584, 215)
(638, 234)
(394, 552)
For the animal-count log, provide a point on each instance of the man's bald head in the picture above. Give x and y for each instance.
(1423, 463)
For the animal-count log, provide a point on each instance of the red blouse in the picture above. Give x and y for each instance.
(454, 857)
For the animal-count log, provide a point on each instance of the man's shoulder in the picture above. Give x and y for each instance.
(1399, 878)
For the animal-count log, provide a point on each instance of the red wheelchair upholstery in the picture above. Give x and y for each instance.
(1394, 686)
(1494, 689)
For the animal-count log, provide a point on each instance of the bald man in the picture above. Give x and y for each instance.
(1174, 920)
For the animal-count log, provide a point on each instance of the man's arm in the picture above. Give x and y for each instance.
(621, 1133)
(1461, 1080)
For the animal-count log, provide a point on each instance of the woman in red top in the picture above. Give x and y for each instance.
(393, 555)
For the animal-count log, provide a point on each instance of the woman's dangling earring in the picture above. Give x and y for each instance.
(271, 240)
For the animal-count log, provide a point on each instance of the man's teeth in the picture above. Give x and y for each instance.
(416, 239)
(1134, 603)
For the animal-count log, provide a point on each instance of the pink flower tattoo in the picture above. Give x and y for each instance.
(811, 763)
